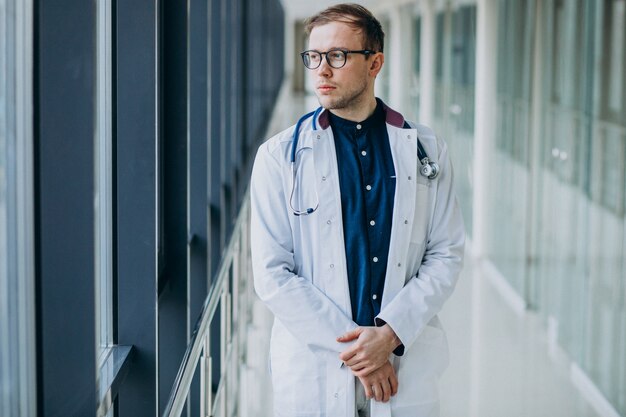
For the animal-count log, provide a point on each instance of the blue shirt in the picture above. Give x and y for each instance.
(367, 183)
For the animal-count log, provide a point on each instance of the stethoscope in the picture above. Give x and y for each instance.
(429, 169)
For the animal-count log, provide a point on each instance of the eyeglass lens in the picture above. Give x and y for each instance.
(336, 58)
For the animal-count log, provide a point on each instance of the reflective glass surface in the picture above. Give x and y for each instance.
(454, 96)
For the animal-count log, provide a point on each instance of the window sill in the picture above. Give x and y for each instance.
(112, 373)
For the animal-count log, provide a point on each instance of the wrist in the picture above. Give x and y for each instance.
(392, 337)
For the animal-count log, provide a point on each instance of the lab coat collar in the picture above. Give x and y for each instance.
(392, 117)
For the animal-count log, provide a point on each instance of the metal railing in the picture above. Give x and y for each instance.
(231, 292)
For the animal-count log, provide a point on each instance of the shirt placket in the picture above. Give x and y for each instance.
(372, 195)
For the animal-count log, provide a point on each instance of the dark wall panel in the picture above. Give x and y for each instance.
(64, 137)
(137, 215)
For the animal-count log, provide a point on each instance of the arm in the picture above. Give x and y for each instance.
(424, 294)
(300, 306)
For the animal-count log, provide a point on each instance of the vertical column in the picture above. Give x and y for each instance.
(64, 208)
(138, 132)
(173, 327)
(400, 57)
(427, 62)
(485, 106)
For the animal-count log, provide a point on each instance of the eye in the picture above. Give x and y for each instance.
(335, 55)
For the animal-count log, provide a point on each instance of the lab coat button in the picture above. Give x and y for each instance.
(328, 221)
(323, 178)
(408, 137)
(409, 178)
(399, 264)
(406, 222)
(318, 136)
(336, 395)
(332, 265)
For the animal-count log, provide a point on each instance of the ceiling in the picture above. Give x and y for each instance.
(301, 9)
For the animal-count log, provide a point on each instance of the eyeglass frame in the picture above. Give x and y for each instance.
(366, 52)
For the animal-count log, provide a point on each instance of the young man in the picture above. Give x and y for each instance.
(357, 240)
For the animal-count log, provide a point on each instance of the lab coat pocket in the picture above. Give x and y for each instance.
(297, 376)
(422, 213)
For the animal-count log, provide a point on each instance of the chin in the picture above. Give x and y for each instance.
(327, 102)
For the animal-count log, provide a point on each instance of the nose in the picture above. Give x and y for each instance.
(324, 70)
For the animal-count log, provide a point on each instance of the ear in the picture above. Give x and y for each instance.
(376, 64)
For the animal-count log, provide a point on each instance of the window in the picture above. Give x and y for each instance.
(17, 311)
(103, 187)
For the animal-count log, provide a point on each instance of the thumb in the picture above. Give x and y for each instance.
(351, 335)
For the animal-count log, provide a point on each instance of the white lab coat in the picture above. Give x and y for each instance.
(300, 271)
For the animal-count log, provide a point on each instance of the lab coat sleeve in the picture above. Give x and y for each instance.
(307, 313)
(424, 294)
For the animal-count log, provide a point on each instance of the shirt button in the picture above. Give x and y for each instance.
(375, 259)
(336, 395)
(372, 222)
(332, 265)
(374, 297)
(406, 222)
(408, 137)
(318, 136)
(328, 221)
(368, 187)
(399, 264)
(358, 127)
(323, 178)
(409, 178)
(363, 153)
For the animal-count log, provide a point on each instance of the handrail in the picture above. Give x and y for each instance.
(198, 342)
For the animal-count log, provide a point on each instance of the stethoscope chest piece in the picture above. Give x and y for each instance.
(429, 169)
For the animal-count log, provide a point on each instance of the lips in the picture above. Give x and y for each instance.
(324, 88)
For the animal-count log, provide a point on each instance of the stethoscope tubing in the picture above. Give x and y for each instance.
(429, 169)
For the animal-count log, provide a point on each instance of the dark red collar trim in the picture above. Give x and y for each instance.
(391, 116)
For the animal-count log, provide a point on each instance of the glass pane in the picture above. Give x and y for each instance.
(604, 347)
(17, 340)
(454, 96)
(103, 186)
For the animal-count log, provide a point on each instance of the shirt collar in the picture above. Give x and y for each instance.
(392, 117)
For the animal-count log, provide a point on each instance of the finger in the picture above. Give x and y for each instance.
(347, 354)
(393, 379)
(378, 392)
(348, 336)
(386, 387)
(362, 371)
(354, 362)
(368, 389)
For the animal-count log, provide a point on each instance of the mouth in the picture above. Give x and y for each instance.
(325, 88)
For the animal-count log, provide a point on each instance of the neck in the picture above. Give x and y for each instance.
(359, 111)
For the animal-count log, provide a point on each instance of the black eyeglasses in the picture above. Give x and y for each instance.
(336, 58)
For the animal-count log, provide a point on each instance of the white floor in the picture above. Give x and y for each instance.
(500, 361)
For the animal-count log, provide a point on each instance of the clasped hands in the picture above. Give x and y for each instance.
(368, 358)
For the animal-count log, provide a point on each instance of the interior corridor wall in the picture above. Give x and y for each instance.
(557, 206)
(455, 62)
(556, 186)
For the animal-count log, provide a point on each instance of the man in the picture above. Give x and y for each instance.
(353, 250)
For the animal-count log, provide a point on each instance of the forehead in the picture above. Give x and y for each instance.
(335, 35)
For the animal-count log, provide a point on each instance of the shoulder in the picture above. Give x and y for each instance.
(429, 138)
(277, 146)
